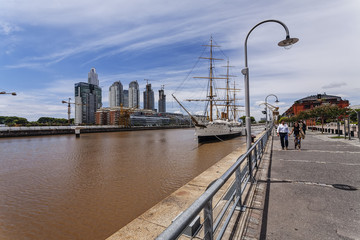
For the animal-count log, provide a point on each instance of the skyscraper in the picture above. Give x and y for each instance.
(93, 77)
(87, 99)
(134, 95)
(149, 98)
(162, 100)
(116, 94)
(126, 98)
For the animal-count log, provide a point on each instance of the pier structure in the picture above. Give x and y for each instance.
(310, 193)
(56, 130)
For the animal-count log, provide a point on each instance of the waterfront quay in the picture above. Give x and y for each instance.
(57, 130)
(312, 193)
(308, 194)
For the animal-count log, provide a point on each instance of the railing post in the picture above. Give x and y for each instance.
(208, 221)
(250, 167)
(238, 187)
(256, 156)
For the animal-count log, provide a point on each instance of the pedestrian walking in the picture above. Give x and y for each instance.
(283, 131)
(304, 127)
(297, 130)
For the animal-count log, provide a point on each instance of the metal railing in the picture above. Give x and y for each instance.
(231, 200)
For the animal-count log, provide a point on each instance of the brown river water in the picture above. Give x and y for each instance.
(62, 187)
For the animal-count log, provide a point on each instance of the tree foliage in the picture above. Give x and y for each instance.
(252, 119)
(50, 120)
(43, 121)
(13, 121)
(324, 113)
(353, 115)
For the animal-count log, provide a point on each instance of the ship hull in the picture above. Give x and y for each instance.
(218, 131)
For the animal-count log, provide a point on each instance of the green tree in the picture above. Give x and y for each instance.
(327, 113)
(286, 119)
(252, 119)
(12, 121)
(53, 121)
(353, 115)
(21, 121)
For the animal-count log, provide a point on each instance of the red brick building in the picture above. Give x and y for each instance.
(313, 101)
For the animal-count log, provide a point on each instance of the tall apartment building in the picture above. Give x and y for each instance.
(162, 101)
(149, 98)
(126, 98)
(87, 99)
(93, 77)
(116, 94)
(134, 95)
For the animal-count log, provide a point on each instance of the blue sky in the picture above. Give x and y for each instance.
(48, 46)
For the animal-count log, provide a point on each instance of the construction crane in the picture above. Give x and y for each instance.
(124, 117)
(69, 107)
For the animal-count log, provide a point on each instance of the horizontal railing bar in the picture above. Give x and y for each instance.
(222, 213)
(243, 173)
(227, 221)
(245, 184)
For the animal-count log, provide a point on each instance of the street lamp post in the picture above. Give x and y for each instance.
(266, 107)
(284, 43)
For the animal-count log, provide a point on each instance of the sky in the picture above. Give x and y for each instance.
(48, 46)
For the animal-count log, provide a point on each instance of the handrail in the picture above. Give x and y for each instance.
(205, 200)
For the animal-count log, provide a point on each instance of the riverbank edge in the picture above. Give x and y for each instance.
(156, 219)
(42, 131)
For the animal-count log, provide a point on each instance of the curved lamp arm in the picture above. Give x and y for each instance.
(277, 100)
(284, 43)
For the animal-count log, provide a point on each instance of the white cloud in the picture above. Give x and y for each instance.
(7, 28)
(326, 56)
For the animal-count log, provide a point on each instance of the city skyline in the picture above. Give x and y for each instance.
(52, 46)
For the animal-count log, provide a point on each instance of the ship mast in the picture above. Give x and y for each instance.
(211, 96)
(234, 105)
(227, 90)
(211, 77)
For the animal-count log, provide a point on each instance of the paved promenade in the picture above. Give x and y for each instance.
(309, 194)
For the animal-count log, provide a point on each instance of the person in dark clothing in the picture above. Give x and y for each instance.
(297, 138)
(303, 127)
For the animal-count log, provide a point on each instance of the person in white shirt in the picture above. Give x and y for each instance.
(283, 131)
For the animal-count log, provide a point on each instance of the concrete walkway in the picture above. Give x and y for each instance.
(311, 194)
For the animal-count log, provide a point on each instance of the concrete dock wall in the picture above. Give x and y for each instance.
(55, 130)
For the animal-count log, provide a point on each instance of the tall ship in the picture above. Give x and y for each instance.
(217, 126)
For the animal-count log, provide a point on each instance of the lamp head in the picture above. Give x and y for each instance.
(13, 93)
(288, 42)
